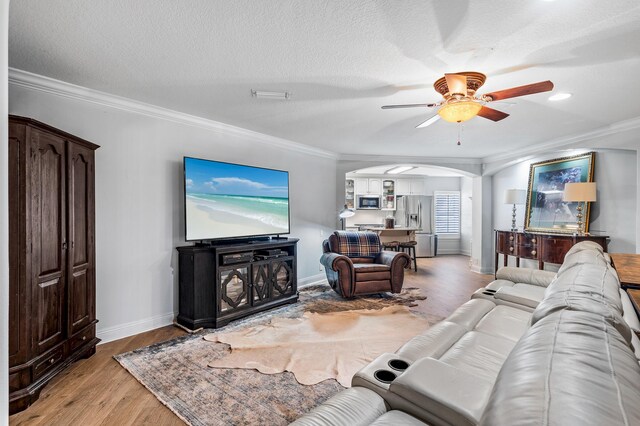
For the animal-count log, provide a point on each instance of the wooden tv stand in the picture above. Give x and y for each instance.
(213, 291)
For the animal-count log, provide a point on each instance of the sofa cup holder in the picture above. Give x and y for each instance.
(398, 364)
(385, 376)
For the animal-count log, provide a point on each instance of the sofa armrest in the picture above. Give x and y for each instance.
(439, 393)
(520, 296)
(525, 275)
(340, 273)
(397, 261)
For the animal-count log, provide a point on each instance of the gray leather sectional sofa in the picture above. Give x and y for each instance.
(533, 348)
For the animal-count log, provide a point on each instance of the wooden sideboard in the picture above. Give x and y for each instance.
(539, 246)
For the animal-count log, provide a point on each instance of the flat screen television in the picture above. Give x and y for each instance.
(226, 201)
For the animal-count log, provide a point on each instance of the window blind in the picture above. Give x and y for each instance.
(447, 212)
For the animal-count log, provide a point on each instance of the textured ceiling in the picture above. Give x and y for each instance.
(342, 60)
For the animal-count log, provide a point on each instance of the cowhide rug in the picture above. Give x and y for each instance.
(177, 371)
(319, 346)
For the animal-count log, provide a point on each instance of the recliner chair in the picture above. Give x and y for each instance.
(356, 264)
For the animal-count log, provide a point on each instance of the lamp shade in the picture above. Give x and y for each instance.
(515, 196)
(346, 212)
(582, 191)
(457, 112)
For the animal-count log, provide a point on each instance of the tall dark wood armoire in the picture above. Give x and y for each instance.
(51, 256)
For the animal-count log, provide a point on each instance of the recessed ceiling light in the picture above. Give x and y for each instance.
(270, 95)
(560, 96)
(399, 169)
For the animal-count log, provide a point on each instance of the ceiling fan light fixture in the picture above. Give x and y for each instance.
(457, 112)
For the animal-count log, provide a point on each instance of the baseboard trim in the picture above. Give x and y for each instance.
(121, 331)
(479, 270)
(116, 332)
(312, 280)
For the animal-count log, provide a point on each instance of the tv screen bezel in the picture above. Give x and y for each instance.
(242, 237)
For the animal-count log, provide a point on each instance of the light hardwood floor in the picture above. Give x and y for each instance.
(98, 391)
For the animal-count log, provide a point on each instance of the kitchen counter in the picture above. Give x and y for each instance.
(395, 234)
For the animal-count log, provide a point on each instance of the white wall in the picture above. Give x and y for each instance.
(481, 225)
(4, 217)
(466, 212)
(613, 214)
(139, 201)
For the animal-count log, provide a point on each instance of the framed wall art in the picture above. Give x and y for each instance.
(546, 212)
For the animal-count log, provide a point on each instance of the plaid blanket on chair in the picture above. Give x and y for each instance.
(358, 244)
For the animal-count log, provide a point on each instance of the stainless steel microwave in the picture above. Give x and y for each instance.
(368, 202)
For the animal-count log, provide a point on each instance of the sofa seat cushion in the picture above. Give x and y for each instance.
(397, 418)
(469, 314)
(433, 343)
(522, 294)
(570, 368)
(377, 274)
(350, 407)
(366, 268)
(504, 321)
(479, 354)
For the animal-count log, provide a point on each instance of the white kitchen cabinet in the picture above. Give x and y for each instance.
(371, 186)
(403, 186)
(362, 186)
(410, 187)
(375, 186)
(417, 187)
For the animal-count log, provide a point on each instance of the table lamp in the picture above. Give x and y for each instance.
(345, 213)
(580, 192)
(514, 196)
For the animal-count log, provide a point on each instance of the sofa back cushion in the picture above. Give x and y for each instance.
(356, 244)
(588, 287)
(570, 368)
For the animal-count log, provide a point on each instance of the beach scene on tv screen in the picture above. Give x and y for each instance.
(229, 200)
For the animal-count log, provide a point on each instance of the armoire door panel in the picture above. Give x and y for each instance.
(79, 204)
(81, 255)
(51, 182)
(48, 248)
(17, 305)
(50, 315)
(79, 310)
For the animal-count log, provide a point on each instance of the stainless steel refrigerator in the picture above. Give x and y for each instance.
(416, 211)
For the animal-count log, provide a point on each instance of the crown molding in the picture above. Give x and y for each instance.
(409, 159)
(55, 87)
(565, 142)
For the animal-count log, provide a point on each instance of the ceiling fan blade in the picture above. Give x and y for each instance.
(492, 114)
(457, 83)
(429, 122)
(529, 89)
(409, 106)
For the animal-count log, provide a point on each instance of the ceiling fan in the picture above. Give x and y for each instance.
(461, 102)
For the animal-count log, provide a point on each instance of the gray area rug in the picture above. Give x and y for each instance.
(176, 371)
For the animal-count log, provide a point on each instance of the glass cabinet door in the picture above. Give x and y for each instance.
(282, 276)
(233, 288)
(261, 290)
